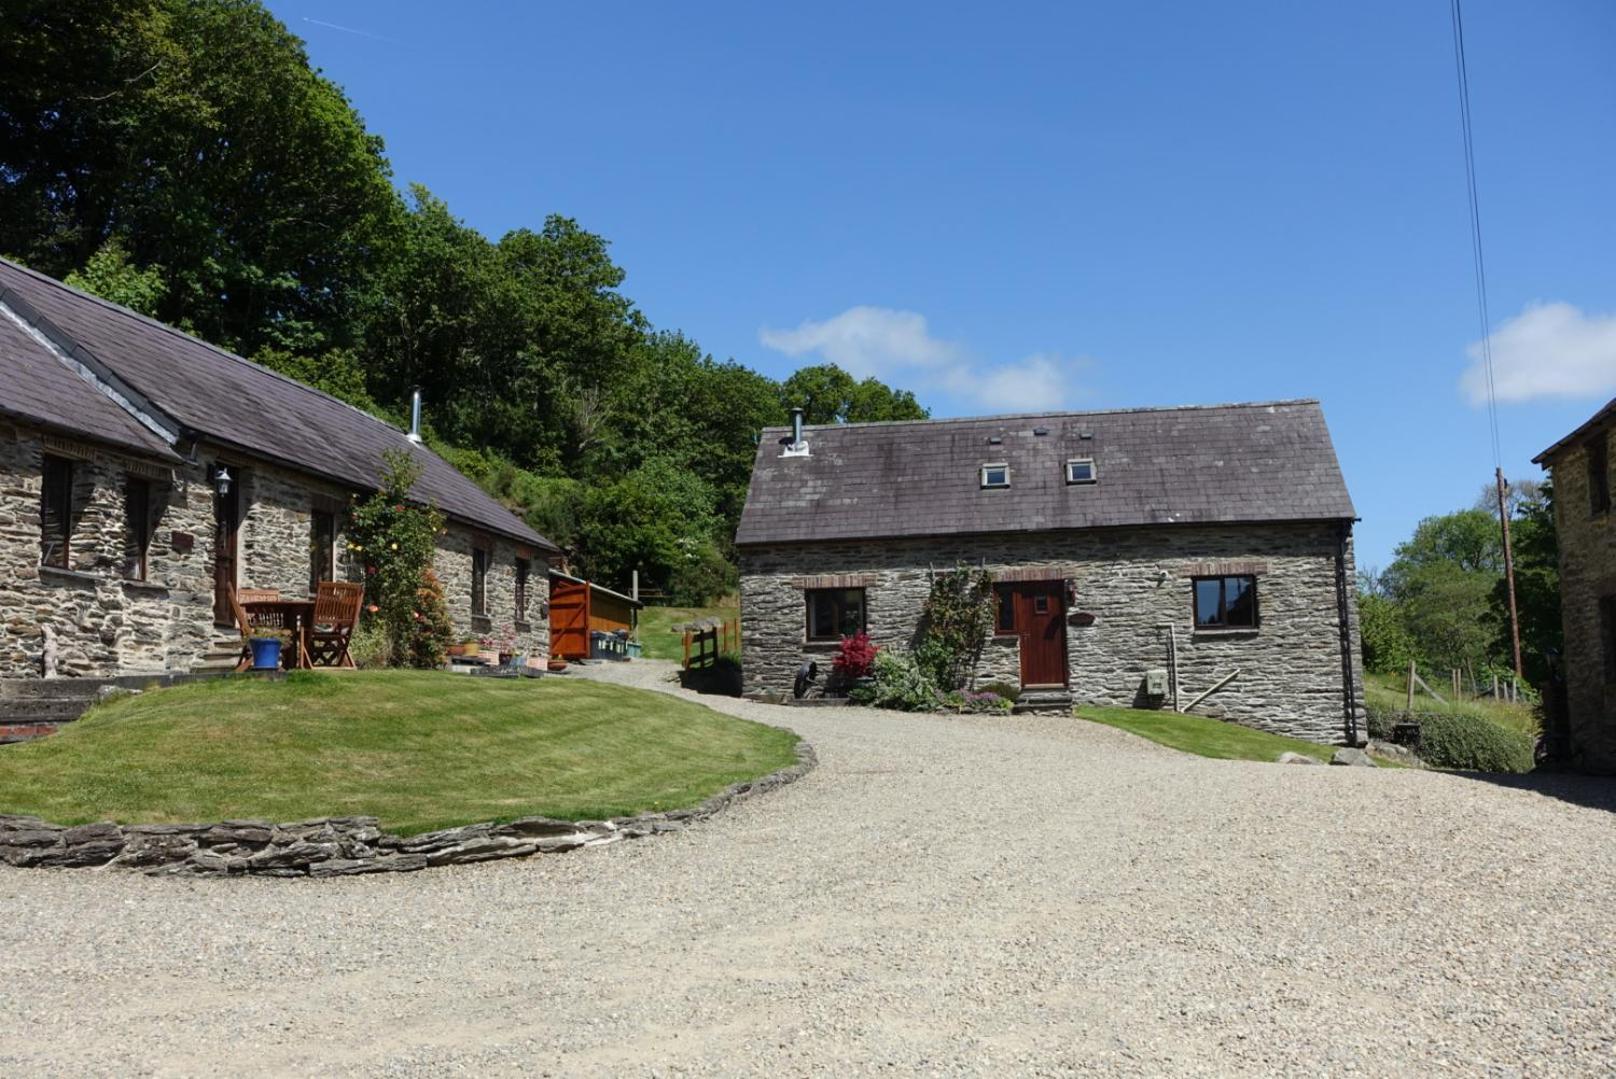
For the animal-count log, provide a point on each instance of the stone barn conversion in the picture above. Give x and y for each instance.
(1580, 466)
(145, 473)
(1139, 556)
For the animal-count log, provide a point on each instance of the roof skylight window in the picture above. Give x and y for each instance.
(996, 475)
(1081, 470)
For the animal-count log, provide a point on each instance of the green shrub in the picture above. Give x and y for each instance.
(1472, 743)
(954, 625)
(1379, 720)
(897, 682)
(371, 646)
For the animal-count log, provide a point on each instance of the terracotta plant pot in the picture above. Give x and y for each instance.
(558, 664)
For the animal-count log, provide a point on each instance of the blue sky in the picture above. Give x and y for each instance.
(1006, 207)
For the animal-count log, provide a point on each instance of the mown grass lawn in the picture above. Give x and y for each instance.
(1204, 736)
(419, 750)
(656, 633)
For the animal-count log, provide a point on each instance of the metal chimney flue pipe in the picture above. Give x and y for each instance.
(796, 426)
(415, 416)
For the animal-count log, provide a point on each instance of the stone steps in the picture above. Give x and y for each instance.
(221, 658)
(35, 707)
(1043, 702)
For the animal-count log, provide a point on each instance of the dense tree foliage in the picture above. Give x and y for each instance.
(182, 158)
(1443, 601)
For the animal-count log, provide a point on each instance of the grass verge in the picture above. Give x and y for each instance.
(419, 750)
(1203, 736)
(656, 626)
(1388, 692)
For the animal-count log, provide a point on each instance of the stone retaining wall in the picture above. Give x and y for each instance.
(339, 846)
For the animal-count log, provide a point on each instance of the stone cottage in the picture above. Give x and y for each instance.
(1580, 466)
(1141, 557)
(145, 473)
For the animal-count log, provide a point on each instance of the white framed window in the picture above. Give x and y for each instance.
(1082, 470)
(996, 475)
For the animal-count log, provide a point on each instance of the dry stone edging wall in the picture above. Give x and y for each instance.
(340, 846)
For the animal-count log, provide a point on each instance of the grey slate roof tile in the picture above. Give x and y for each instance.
(1268, 461)
(38, 387)
(233, 401)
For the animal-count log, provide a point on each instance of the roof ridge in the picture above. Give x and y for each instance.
(1060, 414)
(175, 331)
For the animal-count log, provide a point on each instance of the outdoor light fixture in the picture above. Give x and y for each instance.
(221, 481)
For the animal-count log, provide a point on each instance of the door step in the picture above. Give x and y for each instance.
(1043, 702)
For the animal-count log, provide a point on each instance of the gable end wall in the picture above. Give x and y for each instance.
(1587, 572)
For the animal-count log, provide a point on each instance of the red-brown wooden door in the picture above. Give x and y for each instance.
(1041, 625)
(569, 619)
(226, 527)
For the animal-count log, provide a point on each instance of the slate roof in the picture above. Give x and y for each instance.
(38, 387)
(1267, 461)
(219, 396)
(1595, 422)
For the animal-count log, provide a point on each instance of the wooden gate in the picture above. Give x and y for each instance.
(569, 618)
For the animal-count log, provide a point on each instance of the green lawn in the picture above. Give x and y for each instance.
(420, 750)
(1203, 736)
(658, 638)
(1388, 691)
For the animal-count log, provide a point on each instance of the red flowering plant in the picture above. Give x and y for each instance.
(855, 658)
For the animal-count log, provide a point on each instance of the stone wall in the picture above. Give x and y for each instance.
(1587, 572)
(1136, 582)
(99, 622)
(339, 846)
(453, 565)
(103, 624)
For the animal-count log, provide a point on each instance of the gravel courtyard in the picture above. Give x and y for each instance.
(993, 896)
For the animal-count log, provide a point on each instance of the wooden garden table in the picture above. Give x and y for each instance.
(296, 616)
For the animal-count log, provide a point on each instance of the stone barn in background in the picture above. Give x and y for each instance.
(1140, 556)
(1580, 466)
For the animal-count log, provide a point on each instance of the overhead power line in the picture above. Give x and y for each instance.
(1479, 264)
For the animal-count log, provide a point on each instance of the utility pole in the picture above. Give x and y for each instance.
(1509, 572)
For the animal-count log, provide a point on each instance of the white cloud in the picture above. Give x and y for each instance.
(1548, 350)
(898, 348)
(866, 341)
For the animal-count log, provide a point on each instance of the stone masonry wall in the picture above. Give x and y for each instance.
(103, 624)
(1587, 572)
(1136, 582)
(453, 565)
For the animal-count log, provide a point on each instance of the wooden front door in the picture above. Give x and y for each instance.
(1040, 622)
(226, 526)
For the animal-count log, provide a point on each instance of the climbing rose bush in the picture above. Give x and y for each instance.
(394, 540)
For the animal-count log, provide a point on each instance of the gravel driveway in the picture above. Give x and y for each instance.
(950, 895)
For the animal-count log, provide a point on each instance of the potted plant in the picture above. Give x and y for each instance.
(503, 643)
(467, 648)
(266, 650)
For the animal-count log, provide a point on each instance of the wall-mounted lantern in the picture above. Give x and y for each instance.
(221, 481)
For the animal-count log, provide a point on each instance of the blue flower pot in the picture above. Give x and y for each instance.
(266, 653)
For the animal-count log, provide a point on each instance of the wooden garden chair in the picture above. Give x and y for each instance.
(246, 623)
(336, 613)
(258, 595)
